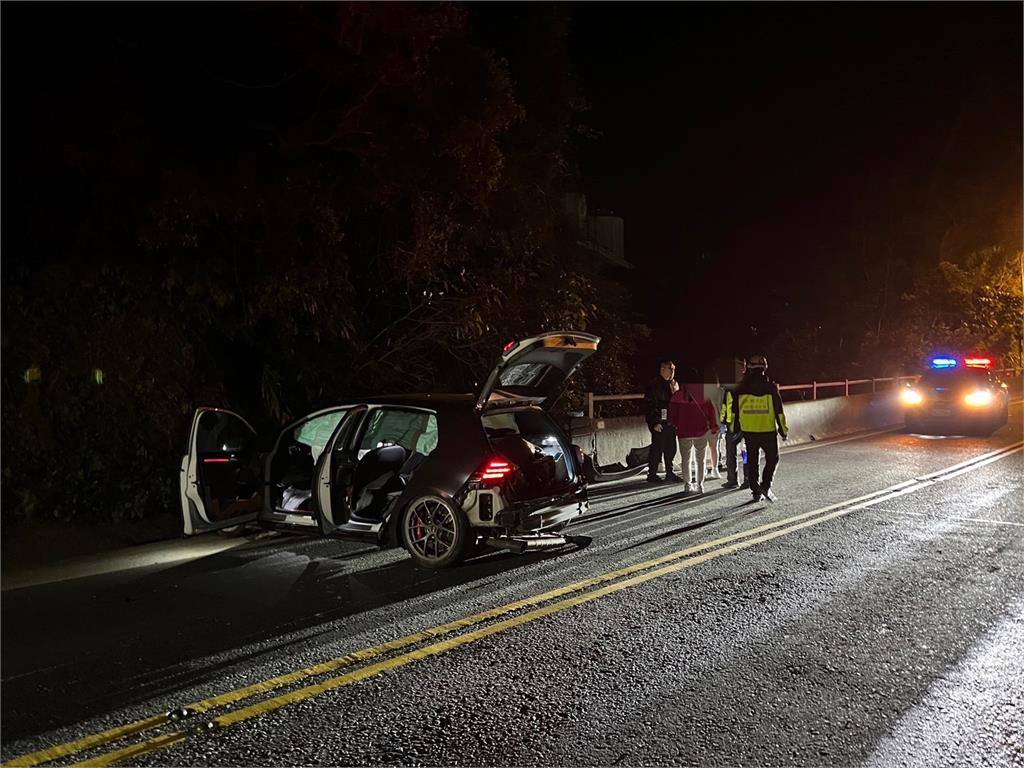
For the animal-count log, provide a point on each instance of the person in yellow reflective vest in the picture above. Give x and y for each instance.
(758, 415)
(732, 442)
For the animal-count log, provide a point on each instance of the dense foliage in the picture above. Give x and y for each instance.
(892, 319)
(270, 209)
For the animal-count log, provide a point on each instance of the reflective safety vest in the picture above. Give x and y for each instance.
(725, 414)
(757, 413)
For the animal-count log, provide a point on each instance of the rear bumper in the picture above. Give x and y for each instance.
(489, 508)
(543, 514)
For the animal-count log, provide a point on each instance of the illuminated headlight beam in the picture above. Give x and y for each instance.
(979, 399)
(911, 397)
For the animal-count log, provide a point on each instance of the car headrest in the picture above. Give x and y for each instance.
(382, 459)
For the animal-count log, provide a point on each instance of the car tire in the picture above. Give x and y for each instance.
(435, 532)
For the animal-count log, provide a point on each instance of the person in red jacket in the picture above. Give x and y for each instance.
(693, 417)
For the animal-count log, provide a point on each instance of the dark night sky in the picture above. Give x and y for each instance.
(729, 132)
(781, 131)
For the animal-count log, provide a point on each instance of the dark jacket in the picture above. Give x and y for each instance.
(656, 400)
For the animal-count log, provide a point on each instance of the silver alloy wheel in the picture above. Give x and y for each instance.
(432, 530)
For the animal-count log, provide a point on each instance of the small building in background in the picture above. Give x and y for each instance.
(599, 233)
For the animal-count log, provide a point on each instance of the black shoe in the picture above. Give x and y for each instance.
(673, 479)
(654, 479)
(731, 484)
(757, 497)
(745, 486)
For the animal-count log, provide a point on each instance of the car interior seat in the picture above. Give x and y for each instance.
(378, 480)
(299, 467)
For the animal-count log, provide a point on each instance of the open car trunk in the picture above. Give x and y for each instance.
(535, 370)
(541, 453)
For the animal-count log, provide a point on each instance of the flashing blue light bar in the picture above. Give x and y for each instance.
(943, 362)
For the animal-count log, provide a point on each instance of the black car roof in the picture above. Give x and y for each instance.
(419, 400)
(442, 401)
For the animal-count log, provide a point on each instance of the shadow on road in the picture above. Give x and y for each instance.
(677, 499)
(694, 526)
(80, 648)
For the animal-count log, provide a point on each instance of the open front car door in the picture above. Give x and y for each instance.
(221, 473)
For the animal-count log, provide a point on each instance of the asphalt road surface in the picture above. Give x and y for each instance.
(873, 616)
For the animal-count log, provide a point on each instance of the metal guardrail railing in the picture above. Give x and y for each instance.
(814, 386)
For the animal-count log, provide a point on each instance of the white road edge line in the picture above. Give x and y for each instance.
(835, 441)
(941, 518)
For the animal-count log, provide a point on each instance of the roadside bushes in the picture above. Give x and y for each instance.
(379, 212)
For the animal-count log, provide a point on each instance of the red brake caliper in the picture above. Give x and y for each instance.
(419, 531)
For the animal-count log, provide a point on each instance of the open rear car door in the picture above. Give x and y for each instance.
(333, 476)
(534, 370)
(221, 482)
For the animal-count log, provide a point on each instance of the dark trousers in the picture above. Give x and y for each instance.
(732, 449)
(663, 446)
(757, 442)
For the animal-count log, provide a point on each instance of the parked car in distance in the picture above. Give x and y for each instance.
(956, 395)
(434, 473)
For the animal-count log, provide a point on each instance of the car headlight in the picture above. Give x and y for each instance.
(911, 397)
(979, 398)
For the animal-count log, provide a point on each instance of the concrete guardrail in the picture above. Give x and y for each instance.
(613, 438)
(809, 420)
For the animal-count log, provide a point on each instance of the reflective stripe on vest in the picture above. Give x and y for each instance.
(757, 413)
(726, 414)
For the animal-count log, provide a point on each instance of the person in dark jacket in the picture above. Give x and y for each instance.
(733, 439)
(758, 414)
(663, 437)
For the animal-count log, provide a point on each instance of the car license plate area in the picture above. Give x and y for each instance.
(941, 413)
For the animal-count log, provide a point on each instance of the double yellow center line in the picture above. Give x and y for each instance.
(541, 605)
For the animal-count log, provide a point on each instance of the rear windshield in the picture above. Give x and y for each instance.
(523, 375)
(541, 374)
(960, 378)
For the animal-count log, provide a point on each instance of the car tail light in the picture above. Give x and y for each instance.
(580, 455)
(509, 347)
(217, 460)
(494, 472)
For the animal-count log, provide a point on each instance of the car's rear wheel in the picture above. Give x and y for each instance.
(435, 531)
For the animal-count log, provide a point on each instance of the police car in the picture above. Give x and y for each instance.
(956, 395)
